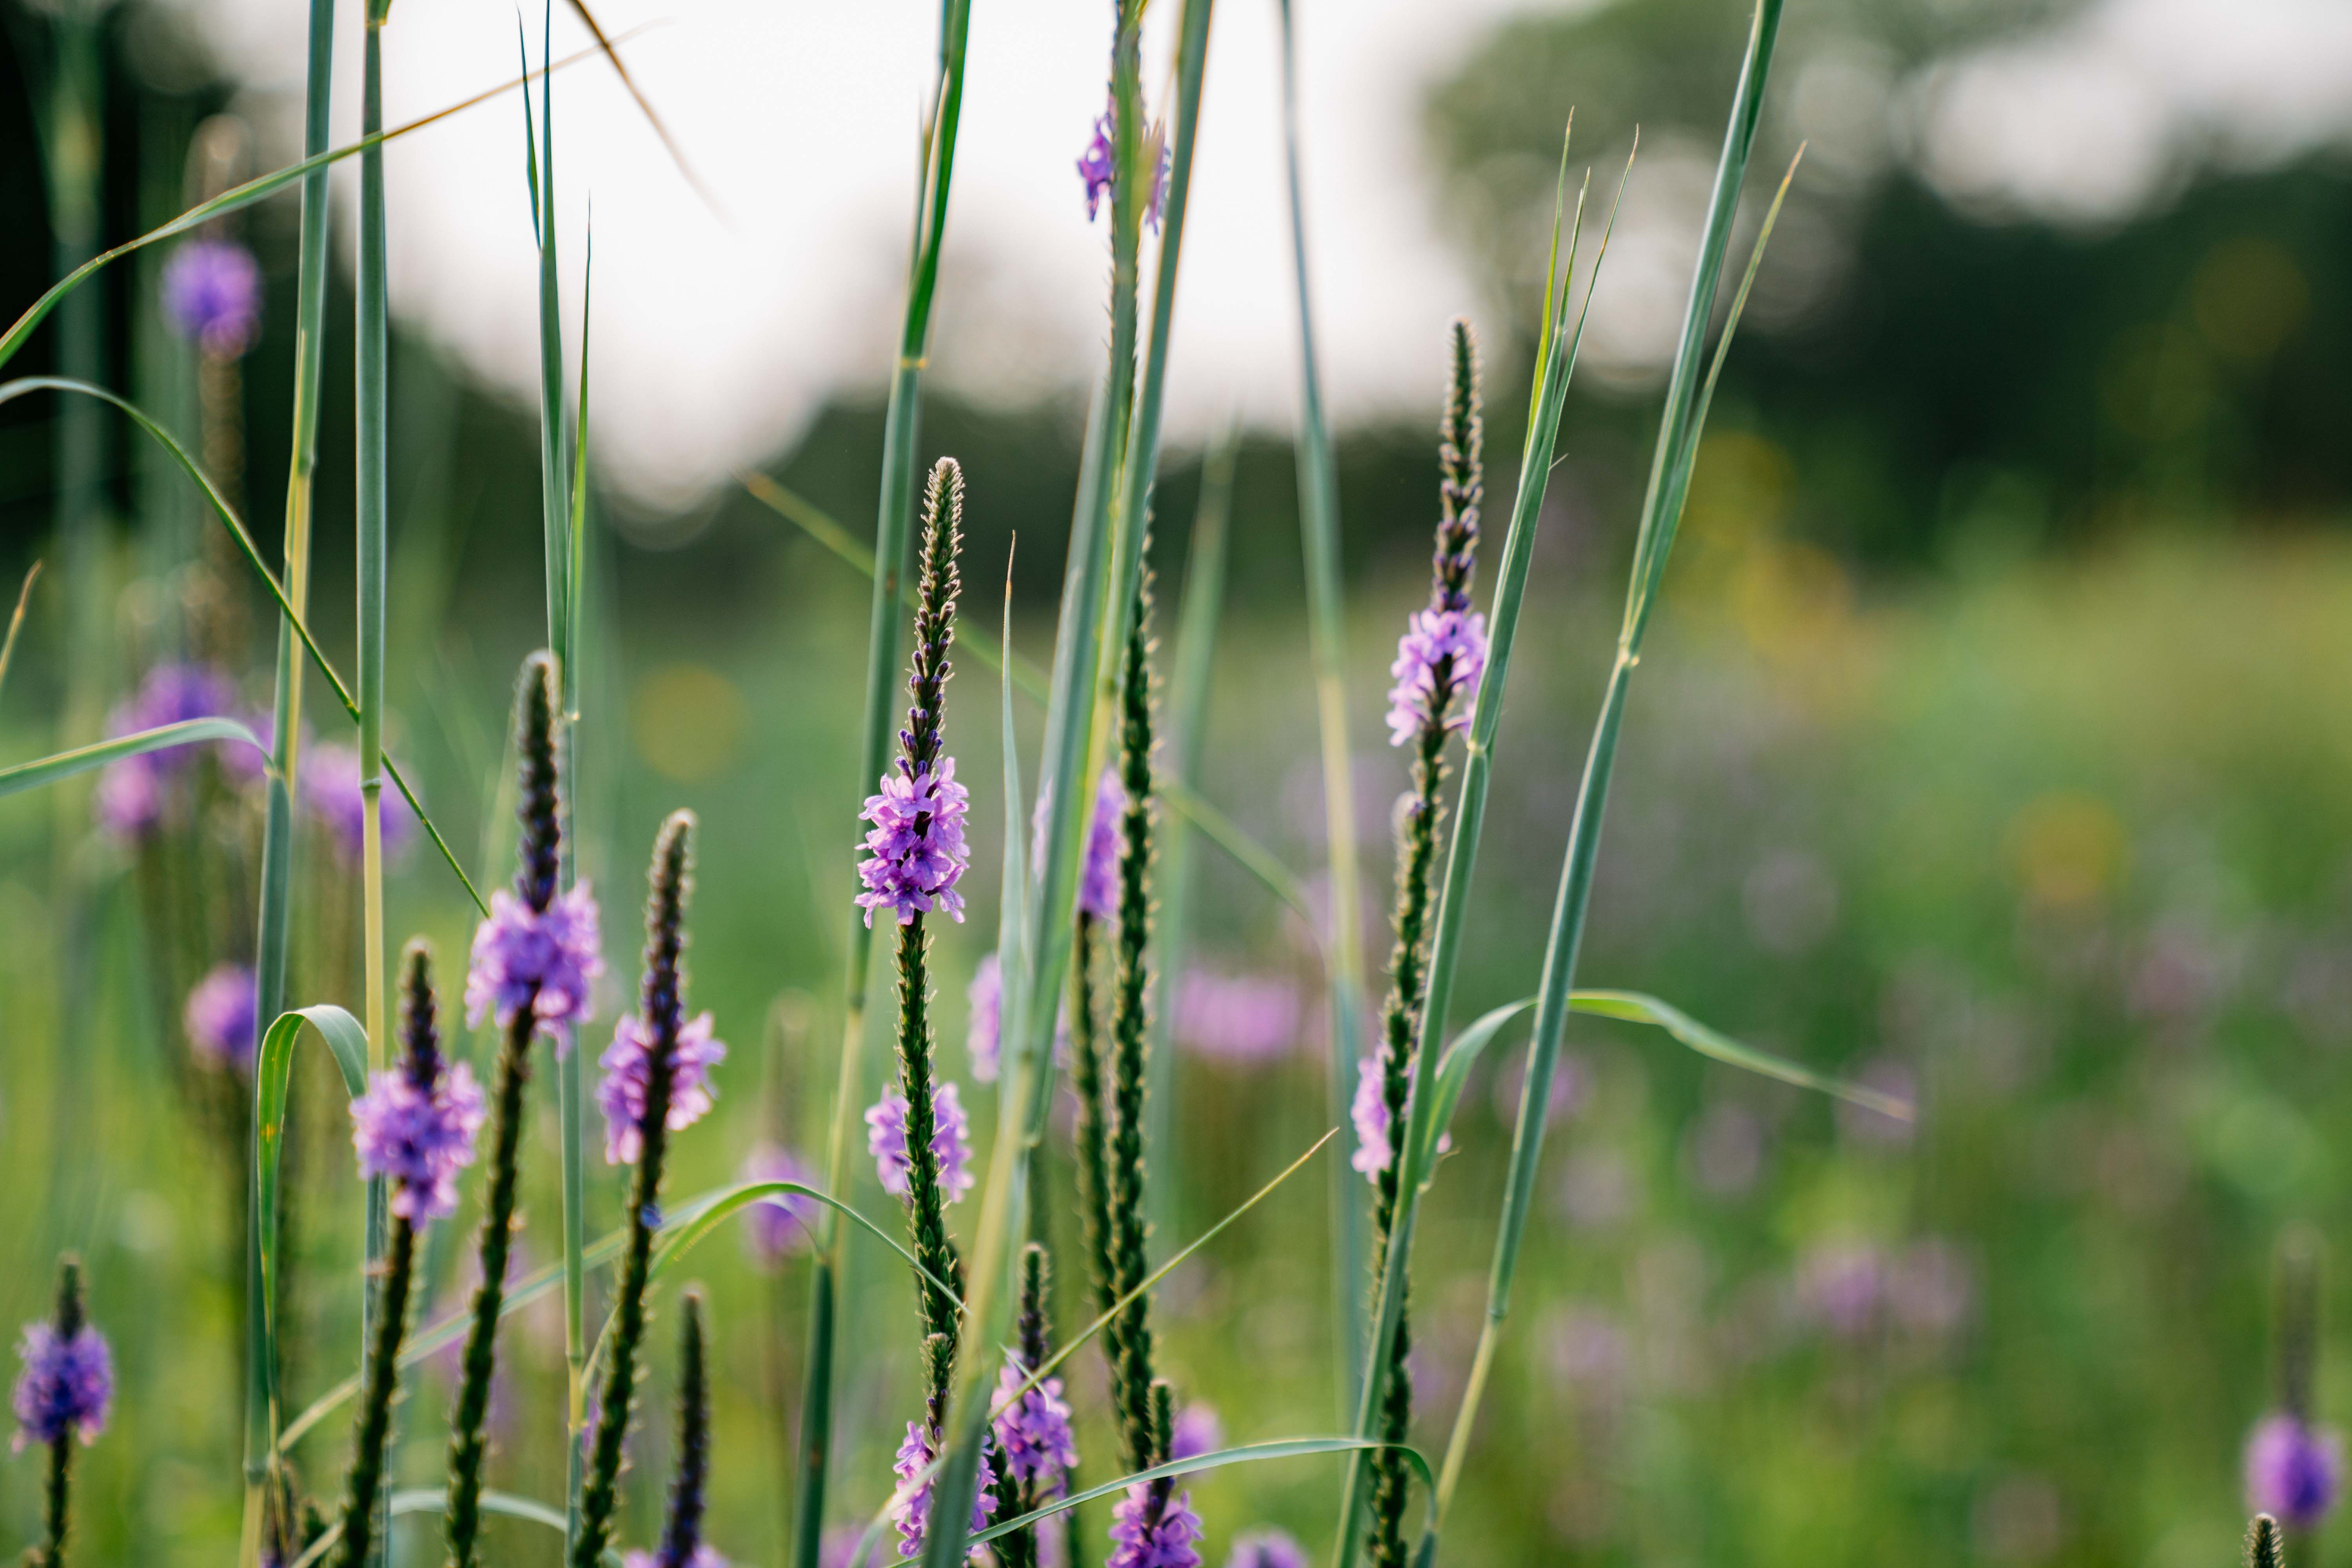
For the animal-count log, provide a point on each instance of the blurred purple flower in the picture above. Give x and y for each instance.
(1726, 1149)
(545, 961)
(67, 1384)
(1171, 1540)
(132, 798)
(885, 1139)
(775, 1228)
(1034, 1429)
(420, 1134)
(1196, 1431)
(985, 999)
(629, 1065)
(916, 843)
(705, 1556)
(911, 1508)
(1243, 1019)
(1097, 167)
(1931, 1289)
(1438, 664)
(1570, 1080)
(2293, 1471)
(1863, 1125)
(1098, 873)
(1842, 1285)
(329, 782)
(211, 294)
(1589, 1352)
(1266, 1548)
(219, 1018)
(1369, 1111)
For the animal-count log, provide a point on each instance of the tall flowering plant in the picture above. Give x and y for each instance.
(64, 1392)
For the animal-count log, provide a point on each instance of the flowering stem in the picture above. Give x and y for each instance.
(1094, 1129)
(362, 1492)
(925, 1201)
(1130, 989)
(690, 1490)
(57, 1496)
(661, 1010)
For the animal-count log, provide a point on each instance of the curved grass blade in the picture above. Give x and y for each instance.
(17, 621)
(818, 525)
(1453, 1071)
(81, 759)
(252, 190)
(10, 391)
(434, 1501)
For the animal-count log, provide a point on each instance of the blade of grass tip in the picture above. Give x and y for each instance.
(892, 525)
(254, 190)
(576, 569)
(1196, 637)
(288, 614)
(646, 107)
(818, 525)
(1676, 427)
(17, 621)
(1469, 817)
(1319, 521)
(48, 769)
(276, 913)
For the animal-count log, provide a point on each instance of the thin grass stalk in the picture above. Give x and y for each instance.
(1679, 431)
(894, 523)
(1319, 522)
(277, 833)
(1556, 364)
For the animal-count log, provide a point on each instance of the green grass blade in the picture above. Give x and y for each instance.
(1319, 521)
(1453, 1071)
(81, 759)
(17, 621)
(1636, 1008)
(436, 1500)
(991, 654)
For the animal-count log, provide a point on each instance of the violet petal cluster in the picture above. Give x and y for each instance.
(134, 793)
(1098, 164)
(211, 294)
(628, 1063)
(420, 1136)
(1033, 1431)
(885, 1139)
(329, 782)
(916, 844)
(220, 1018)
(705, 1556)
(1438, 664)
(1098, 872)
(1266, 1549)
(2293, 1471)
(1173, 1541)
(67, 1384)
(910, 1506)
(546, 962)
(775, 1228)
(1369, 1111)
(983, 1035)
(1197, 1430)
(1243, 1019)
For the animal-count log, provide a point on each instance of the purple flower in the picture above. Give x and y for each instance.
(1841, 1286)
(419, 1134)
(916, 843)
(212, 293)
(220, 1020)
(1197, 1431)
(628, 1063)
(778, 1225)
(1266, 1549)
(66, 1386)
(910, 1506)
(546, 962)
(1097, 166)
(329, 782)
(1244, 1019)
(1034, 1430)
(885, 1139)
(1369, 1111)
(1098, 873)
(2293, 1470)
(1171, 1540)
(1440, 658)
(133, 792)
(982, 1036)
(705, 1556)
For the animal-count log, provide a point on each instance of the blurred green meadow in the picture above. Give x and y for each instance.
(1990, 751)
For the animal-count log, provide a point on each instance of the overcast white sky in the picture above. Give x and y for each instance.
(715, 339)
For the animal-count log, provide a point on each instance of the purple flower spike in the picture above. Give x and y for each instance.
(916, 843)
(1098, 873)
(628, 1063)
(2293, 1470)
(420, 1135)
(220, 1018)
(1244, 1020)
(1369, 1111)
(885, 1139)
(1197, 1431)
(1094, 164)
(67, 1385)
(983, 1036)
(1171, 1540)
(1438, 663)
(1034, 1430)
(212, 293)
(544, 961)
(1266, 1549)
(705, 1556)
(777, 1227)
(911, 1508)
(331, 788)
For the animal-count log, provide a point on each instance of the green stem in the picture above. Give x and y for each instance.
(364, 1495)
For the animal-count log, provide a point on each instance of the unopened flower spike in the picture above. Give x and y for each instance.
(682, 1546)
